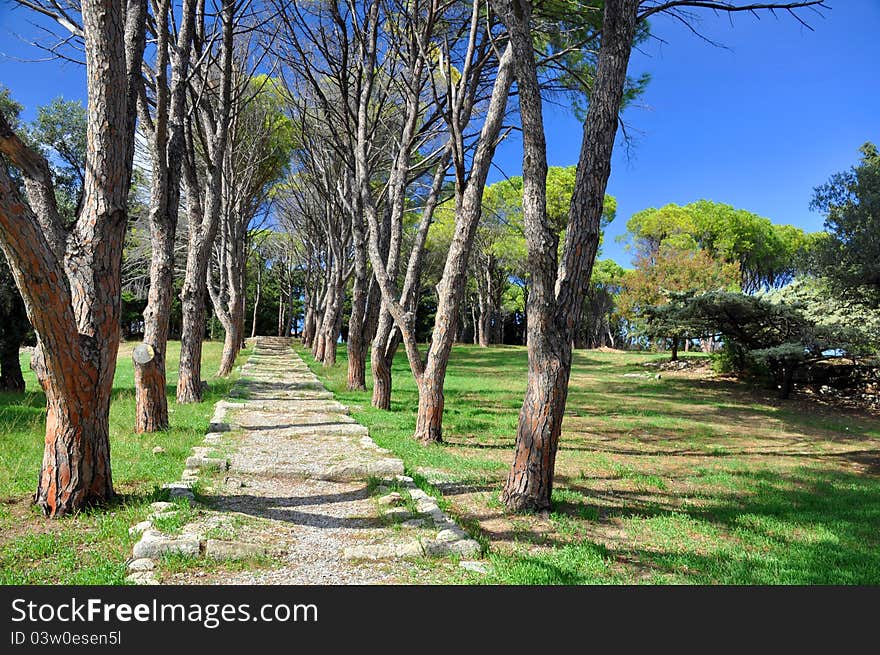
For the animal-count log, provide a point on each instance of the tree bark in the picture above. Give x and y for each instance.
(204, 217)
(555, 299)
(257, 299)
(166, 144)
(429, 420)
(357, 343)
(70, 277)
(485, 315)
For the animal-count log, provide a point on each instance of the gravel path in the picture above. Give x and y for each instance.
(298, 480)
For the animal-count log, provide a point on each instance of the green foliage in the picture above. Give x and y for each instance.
(567, 32)
(760, 335)
(768, 254)
(501, 227)
(673, 268)
(855, 324)
(601, 321)
(267, 126)
(850, 256)
(59, 131)
(10, 109)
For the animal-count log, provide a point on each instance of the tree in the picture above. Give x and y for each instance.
(470, 180)
(850, 256)
(657, 279)
(59, 130)
(13, 318)
(206, 136)
(501, 234)
(667, 322)
(856, 325)
(602, 322)
(556, 293)
(556, 296)
(69, 276)
(257, 155)
(767, 255)
(758, 334)
(164, 126)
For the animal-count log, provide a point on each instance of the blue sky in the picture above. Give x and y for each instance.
(756, 124)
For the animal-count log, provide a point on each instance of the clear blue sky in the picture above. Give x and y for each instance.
(756, 124)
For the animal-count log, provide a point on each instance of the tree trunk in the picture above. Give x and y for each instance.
(450, 290)
(484, 322)
(280, 324)
(357, 342)
(429, 420)
(330, 326)
(674, 357)
(257, 300)
(151, 412)
(476, 324)
(787, 381)
(231, 348)
(530, 481)
(384, 347)
(556, 296)
(76, 461)
(192, 296)
(70, 277)
(231, 317)
(166, 144)
(381, 381)
(204, 219)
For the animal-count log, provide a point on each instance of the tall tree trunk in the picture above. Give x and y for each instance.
(485, 315)
(430, 374)
(450, 290)
(257, 299)
(70, 277)
(556, 297)
(357, 343)
(231, 289)
(475, 321)
(281, 308)
(166, 144)
(234, 335)
(203, 220)
(192, 296)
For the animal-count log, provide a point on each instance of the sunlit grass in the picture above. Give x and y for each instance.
(91, 547)
(670, 480)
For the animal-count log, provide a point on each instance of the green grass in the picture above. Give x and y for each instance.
(681, 480)
(92, 546)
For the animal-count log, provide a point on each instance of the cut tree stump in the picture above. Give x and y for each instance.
(143, 354)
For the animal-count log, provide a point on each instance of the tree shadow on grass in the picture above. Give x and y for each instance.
(804, 527)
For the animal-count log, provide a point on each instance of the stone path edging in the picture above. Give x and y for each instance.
(308, 431)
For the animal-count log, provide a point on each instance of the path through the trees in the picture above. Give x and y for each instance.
(307, 484)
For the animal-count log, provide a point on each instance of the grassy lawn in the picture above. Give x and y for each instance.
(686, 479)
(91, 547)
